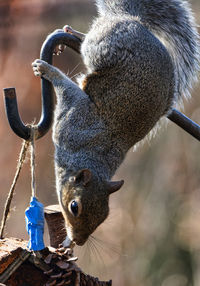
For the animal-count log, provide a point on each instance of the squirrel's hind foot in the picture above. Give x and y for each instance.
(70, 30)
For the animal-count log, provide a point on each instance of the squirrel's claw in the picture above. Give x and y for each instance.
(59, 49)
(68, 29)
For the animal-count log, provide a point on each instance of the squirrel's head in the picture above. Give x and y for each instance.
(84, 201)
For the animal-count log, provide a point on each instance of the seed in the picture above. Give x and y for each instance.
(48, 258)
(51, 283)
(56, 275)
(62, 264)
(48, 272)
(72, 259)
(67, 274)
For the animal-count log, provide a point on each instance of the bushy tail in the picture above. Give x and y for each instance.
(172, 22)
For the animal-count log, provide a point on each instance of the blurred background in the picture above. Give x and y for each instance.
(152, 236)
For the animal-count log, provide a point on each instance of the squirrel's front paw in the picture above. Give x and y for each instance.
(40, 67)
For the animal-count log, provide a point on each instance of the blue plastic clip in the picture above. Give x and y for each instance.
(34, 216)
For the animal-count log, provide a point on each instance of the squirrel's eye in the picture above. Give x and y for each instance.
(74, 208)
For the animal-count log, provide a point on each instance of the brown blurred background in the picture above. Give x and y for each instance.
(152, 236)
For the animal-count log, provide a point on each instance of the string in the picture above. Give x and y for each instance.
(34, 214)
(21, 159)
(22, 156)
(32, 161)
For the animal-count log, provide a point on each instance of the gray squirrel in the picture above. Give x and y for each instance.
(142, 57)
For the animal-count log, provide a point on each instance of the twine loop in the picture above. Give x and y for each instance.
(21, 159)
(32, 160)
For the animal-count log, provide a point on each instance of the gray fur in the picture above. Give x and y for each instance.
(173, 23)
(141, 57)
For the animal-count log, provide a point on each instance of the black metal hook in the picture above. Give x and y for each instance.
(46, 119)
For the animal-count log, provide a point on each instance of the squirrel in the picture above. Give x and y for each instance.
(142, 57)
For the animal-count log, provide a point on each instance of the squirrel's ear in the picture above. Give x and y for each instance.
(114, 186)
(83, 176)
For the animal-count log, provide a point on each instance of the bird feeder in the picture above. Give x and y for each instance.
(48, 267)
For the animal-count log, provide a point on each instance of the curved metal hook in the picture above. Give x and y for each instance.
(46, 118)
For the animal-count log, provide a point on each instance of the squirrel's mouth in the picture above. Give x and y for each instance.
(77, 236)
(80, 242)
